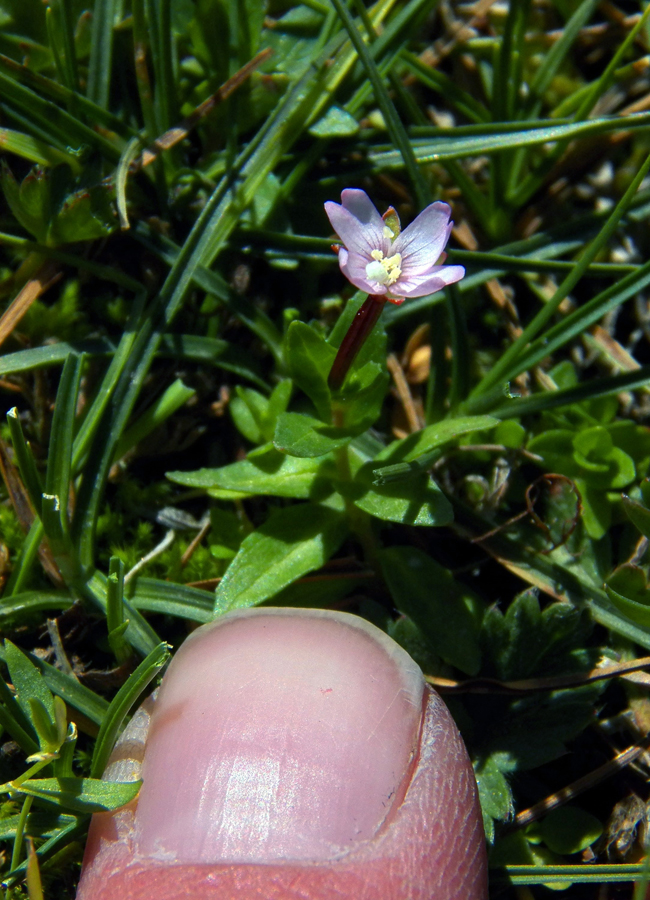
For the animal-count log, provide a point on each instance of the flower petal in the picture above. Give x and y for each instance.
(353, 267)
(435, 280)
(424, 240)
(357, 223)
(362, 208)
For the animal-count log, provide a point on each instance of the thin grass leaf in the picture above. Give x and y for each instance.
(47, 115)
(583, 318)
(139, 632)
(35, 150)
(57, 479)
(598, 873)
(63, 95)
(129, 155)
(115, 620)
(588, 390)
(551, 61)
(33, 601)
(176, 396)
(65, 32)
(24, 563)
(75, 830)
(173, 600)
(460, 362)
(52, 355)
(465, 104)
(16, 852)
(393, 123)
(25, 460)
(122, 703)
(509, 360)
(161, 36)
(470, 141)
(600, 85)
(100, 63)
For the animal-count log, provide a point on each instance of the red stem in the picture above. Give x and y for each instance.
(361, 326)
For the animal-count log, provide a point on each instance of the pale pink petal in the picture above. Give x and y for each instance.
(419, 286)
(362, 208)
(353, 267)
(424, 240)
(357, 223)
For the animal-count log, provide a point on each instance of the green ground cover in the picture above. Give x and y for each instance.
(172, 450)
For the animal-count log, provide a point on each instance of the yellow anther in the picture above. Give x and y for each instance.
(382, 270)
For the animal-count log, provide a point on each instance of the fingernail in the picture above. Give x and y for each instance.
(295, 738)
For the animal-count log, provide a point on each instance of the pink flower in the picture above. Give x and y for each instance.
(380, 259)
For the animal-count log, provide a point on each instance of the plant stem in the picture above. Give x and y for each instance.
(362, 324)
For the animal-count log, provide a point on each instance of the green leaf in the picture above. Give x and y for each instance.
(494, 793)
(292, 542)
(570, 829)
(122, 703)
(335, 123)
(309, 358)
(418, 501)
(420, 448)
(304, 436)
(173, 599)
(637, 513)
(363, 396)
(527, 640)
(447, 613)
(44, 726)
(27, 681)
(84, 795)
(272, 473)
(29, 202)
(84, 215)
(248, 410)
(628, 590)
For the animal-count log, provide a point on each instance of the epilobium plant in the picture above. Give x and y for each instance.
(388, 263)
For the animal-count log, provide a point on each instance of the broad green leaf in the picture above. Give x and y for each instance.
(85, 215)
(309, 358)
(335, 123)
(29, 201)
(527, 640)
(84, 795)
(304, 436)
(639, 514)
(447, 613)
(248, 410)
(272, 473)
(292, 542)
(494, 793)
(628, 590)
(408, 635)
(417, 501)
(570, 829)
(27, 681)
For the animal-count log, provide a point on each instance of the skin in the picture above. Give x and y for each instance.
(291, 755)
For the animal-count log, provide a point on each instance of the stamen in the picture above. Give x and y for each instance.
(384, 271)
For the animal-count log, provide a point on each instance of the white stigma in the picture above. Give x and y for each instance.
(384, 270)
